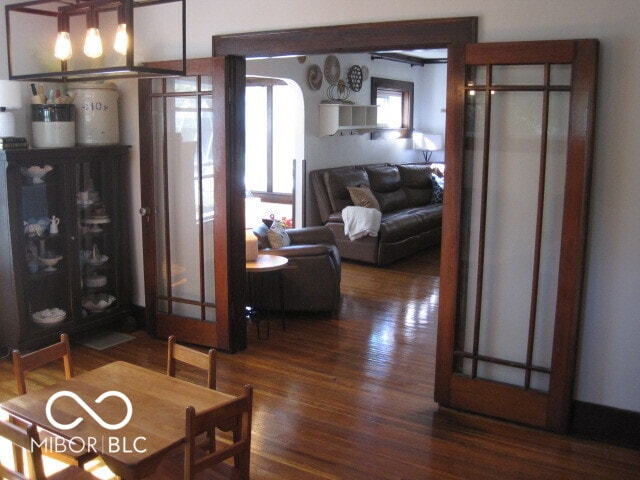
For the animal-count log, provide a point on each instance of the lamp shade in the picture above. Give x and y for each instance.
(10, 94)
(428, 141)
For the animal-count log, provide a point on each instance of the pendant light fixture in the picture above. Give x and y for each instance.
(63, 50)
(121, 43)
(39, 22)
(92, 41)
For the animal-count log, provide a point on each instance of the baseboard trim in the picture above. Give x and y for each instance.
(606, 424)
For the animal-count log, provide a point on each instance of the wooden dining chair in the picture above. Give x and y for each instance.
(23, 363)
(233, 416)
(204, 361)
(25, 437)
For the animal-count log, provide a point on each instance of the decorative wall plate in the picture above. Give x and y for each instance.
(354, 77)
(332, 69)
(314, 77)
(365, 73)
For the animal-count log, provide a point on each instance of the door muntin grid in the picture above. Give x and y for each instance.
(516, 127)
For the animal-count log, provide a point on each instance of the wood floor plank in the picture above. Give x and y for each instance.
(351, 397)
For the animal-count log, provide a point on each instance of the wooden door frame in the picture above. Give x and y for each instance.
(230, 51)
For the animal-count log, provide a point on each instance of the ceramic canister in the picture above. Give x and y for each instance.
(97, 113)
(53, 125)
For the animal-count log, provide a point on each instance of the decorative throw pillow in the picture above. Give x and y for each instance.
(438, 190)
(277, 236)
(363, 197)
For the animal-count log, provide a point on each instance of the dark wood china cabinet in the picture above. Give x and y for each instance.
(64, 264)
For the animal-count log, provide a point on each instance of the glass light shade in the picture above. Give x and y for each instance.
(93, 43)
(63, 49)
(122, 40)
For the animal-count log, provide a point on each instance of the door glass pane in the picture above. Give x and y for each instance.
(560, 75)
(510, 227)
(551, 228)
(49, 256)
(159, 174)
(206, 150)
(183, 207)
(517, 75)
(502, 231)
(184, 200)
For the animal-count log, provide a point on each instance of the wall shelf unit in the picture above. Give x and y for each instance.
(341, 118)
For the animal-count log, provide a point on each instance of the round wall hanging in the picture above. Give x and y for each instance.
(354, 77)
(332, 69)
(314, 77)
(365, 73)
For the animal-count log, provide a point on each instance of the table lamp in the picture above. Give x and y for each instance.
(252, 217)
(427, 143)
(10, 98)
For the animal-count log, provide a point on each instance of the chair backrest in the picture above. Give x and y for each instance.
(234, 416)
(27, 438)
(180, 353)
(38, 358)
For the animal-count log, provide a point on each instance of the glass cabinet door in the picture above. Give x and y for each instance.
(96, 216)
(47, 256)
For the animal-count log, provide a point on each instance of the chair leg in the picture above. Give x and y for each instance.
(18, 453)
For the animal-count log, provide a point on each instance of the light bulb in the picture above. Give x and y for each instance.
(63, 46)
(122, 40)
(93, 43)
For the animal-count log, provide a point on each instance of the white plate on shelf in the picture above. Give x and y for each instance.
(49, 317)
(86, 204)
(98, 302)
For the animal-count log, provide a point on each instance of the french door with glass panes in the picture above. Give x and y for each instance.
(177, 175)
(520, 127)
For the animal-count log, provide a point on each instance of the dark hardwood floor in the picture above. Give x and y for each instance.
(351, 397)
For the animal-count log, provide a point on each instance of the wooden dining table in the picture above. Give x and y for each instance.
(131, 437)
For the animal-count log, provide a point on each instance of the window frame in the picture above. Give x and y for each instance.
(406, 90)
(269, 195)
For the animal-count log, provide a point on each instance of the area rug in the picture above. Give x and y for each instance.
(106, 339)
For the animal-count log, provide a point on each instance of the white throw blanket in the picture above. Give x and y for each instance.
(361, 221)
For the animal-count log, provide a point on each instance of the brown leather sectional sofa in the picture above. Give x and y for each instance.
(410, 222)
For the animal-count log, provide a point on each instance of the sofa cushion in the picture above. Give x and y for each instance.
(337, 181)
(363, 197)
(278, 237)
(438, 190)
(416, 182)
(386, 184)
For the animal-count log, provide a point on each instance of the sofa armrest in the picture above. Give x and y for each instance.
(296, 251)
(311, 236)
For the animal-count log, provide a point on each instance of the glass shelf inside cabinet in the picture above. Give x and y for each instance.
(97, 242)
(46, 282)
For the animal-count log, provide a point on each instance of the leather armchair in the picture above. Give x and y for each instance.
(311, 280)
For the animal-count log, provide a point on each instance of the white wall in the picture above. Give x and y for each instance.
(609, 359)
